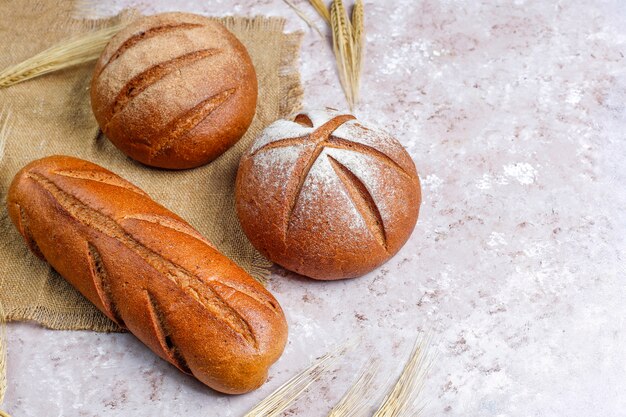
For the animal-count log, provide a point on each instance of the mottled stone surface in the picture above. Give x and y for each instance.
(514, 114)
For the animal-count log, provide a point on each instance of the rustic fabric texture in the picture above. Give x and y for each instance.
(52, 115)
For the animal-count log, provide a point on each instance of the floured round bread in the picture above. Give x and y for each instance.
(174, 90)
(327, 196)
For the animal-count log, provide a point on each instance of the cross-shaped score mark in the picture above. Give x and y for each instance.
(357, 191)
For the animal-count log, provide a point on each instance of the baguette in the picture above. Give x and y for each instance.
(149, 271)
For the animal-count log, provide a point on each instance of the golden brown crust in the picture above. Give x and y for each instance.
(149, 271)
(327, 196)
(174, 90)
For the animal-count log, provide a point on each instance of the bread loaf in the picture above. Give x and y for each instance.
(149, 271)
(327, 196)
(174, 90)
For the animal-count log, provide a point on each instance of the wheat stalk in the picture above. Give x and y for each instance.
(303, 16)
(74, 51)
(356, 400)
(348, 47)
(282, 397)
(321, 8)
(5, 117)
(407, 389)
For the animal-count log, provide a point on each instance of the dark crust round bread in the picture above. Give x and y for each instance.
(327, 196)
(174, 90)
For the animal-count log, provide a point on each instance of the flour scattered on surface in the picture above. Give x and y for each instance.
(432, 182)
(574, 96)
(488, 180)
(537, 249)
(484, 183)
(496, 239)
(523, 172)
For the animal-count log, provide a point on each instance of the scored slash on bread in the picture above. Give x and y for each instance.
(343, 196)
(149, 271)
(178, 128)
(169, 350)
(101, 177)
(362, 199)
(101, 284)
(143, 34)
(153, 74)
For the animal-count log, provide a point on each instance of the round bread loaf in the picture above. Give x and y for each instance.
(327, 196)
(174, 90)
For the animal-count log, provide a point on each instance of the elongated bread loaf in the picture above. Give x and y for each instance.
(149, 271)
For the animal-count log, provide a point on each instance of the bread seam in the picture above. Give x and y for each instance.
(170, 223)
(257, 296)
(184, 228)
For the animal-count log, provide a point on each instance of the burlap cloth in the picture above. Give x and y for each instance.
(52, 115)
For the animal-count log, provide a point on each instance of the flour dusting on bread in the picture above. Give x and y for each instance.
(327, 195)
(322, 180)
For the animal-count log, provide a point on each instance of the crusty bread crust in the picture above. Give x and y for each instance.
(149, 271)
(327, 196)
(174, 90)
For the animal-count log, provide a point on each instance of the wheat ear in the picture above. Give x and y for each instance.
(358, 30)
(356, 400)
(342, 46)
(287, 393)
(403, 396)
(321, 8)
(74, 51)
